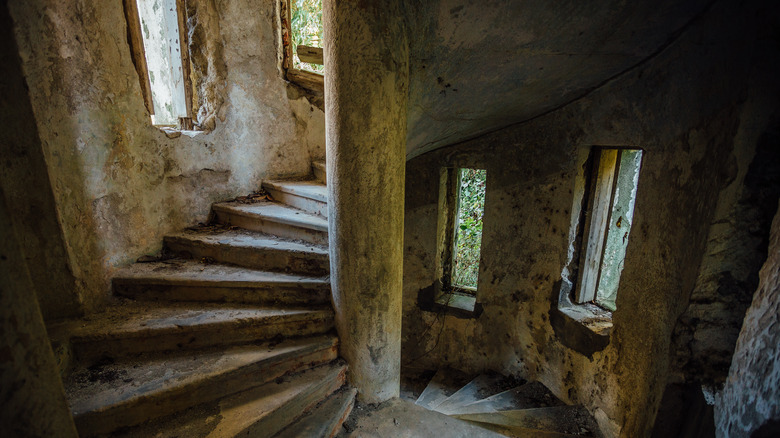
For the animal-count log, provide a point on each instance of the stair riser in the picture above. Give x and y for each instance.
(183, 397)
(265, 295)
(306, 204)
(91, 349)
(270, 425)
(265, 258)
(273, 228)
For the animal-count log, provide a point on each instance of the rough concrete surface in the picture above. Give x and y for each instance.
(119, 183)
(689, 133)
(28, 190)
(751, 397)
(365, 100)
(477, 66)
(33, 400)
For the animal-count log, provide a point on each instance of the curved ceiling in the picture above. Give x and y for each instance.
(480, 65)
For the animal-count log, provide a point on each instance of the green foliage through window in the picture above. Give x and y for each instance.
(306, 24)
(468, 227)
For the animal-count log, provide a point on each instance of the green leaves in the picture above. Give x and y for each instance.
(468, 232)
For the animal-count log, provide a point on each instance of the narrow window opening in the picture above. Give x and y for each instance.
(467, 233)
(608, 218)
(159, 39)
(306, 24)
(302, 40)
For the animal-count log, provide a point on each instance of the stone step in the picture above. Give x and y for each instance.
(105, 397)
(320, 172)
(325, 420)
(275, 219)
(479, 388)
(573, 420)
(261, 411)
(139, 327)
(251, 250)
(311, 196)
(443, 384)
(530, 395)
(189, 280)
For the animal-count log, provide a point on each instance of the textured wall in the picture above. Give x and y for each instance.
(33, 399)
(28, 192)
(119, 183)
(751, 396)
(688, 121)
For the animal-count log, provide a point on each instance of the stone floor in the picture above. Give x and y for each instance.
(402, 418)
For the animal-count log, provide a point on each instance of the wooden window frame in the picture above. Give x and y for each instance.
(138, 53)
(309, 80)
(602, 181)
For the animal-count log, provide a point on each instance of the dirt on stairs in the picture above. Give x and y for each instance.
(228, 332)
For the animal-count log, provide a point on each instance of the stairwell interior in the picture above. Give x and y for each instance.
(213, 281)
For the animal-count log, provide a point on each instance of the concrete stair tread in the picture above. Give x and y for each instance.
(574, 420)
(260, 411)
(325, 420)
(249, 249)
(310, 189)
(481, 387)
(139, 319)
(529, 395)
(443, 384)
(194, 281)
(248, 239)
(106, 396)
(196, 273)
(276, 212)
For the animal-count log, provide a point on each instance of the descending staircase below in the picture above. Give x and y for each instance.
(505, 405)
(229, 332)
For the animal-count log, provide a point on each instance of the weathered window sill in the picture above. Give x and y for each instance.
(584, 328)
(454, 303)
(175, 133)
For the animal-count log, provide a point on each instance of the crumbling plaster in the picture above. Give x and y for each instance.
(119, 183)
(687, 120)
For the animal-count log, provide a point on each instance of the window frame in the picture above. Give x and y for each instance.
(597, 206)
(311, 81)
(443, 296)
(138, 52)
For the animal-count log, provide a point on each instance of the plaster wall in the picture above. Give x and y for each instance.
(688, 120)
(119, 183)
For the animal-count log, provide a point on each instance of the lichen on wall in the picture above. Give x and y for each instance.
(119, 183)
(686, 120)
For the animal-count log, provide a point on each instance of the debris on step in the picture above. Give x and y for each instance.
(256, 196)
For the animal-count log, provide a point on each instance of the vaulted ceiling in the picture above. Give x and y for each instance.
(480, 65)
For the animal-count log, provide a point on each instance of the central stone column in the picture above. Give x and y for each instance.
(366, 91)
